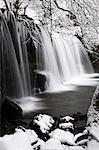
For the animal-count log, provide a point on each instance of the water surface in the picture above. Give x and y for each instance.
(64, 103)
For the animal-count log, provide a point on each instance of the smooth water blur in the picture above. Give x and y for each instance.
(64, 62)
(30, 104)
(10, 70)
(14, 58)
(62, 103)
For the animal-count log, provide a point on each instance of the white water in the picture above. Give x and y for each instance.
(9, 59)
(30, 104)
(65, 62)
(15, 67)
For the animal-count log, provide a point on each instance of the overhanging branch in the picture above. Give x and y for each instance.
(66, 10)
(6, 4)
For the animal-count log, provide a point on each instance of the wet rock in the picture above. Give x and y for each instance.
(79, 123)
(39, 82)
(10, 110)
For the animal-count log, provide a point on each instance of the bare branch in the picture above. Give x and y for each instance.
(25, 8)
(66, 10)
(6, 4)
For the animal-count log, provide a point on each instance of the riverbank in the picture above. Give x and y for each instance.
(73, 103)
(45, 132)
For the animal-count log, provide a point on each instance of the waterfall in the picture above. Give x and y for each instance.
(14, 60)
(55, 62)
(64, 59)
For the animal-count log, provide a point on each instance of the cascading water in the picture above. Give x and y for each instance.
(60, 59)
(14, 65)
(15, 70)
(64, 60)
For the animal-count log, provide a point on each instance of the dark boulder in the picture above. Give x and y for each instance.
(39, 82)
(10, 110)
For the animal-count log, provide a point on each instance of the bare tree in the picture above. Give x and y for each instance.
(79, 15)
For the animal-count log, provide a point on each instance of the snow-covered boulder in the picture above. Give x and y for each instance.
(44, 122)
(94, 131)
(93, 145)
(32, 136)
(66, 118)
(63, 136)
(77, 136)
(67, 125)
(17, 141)
(20, 140)
(81, 135)
(73, 147)
(39, 143)
(52, 144)
(82, 142)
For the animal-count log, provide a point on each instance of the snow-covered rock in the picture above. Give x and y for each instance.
(68, 125)
(48, 118)
(67, 118)
(38, 144)
(44, 122)
(94, 132)
(93, 122)
(20, 140)
(85, 132)
(32, 136)
(77, 136)
(73, 147)
(93, 114)
(17, 141)
(52, 144)
(93, 145)
(63, 136)
(43, 126)
(82, 142)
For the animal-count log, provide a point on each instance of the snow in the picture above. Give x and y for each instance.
(52, 144)
(63, 136)
(16, 141)
(85, 132)
(93, 145)
(21, 140)
(44, 122)
(73, 148)
(32, 136)
(68, 125)
(94, 132)
(82, 142)
(77, 136)
(93, 123)
(67, 118)
(38, 144)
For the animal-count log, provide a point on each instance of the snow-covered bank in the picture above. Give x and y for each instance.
(93, 122)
